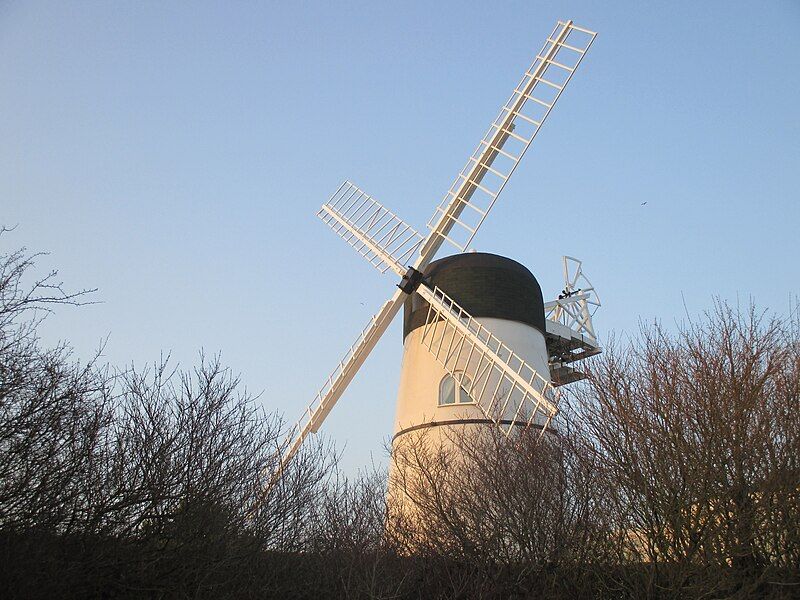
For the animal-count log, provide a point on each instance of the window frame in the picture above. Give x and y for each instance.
(459, 394)
(448, 379)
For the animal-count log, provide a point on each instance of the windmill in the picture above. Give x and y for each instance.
(457, 309)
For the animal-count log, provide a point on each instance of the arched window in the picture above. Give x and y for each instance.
(447, 391)
(450, 394)
(463, 396)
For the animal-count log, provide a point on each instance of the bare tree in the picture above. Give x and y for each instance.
(673, 471)
(137, 480)
(699, 435)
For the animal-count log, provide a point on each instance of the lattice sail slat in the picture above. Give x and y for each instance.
(380, 236)
(480, 182)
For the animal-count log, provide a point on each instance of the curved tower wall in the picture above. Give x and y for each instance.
(505, 298)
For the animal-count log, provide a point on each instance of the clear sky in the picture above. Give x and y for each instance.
(173, 155)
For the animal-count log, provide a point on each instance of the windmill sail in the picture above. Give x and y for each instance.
(377, 234)
(343, 374)
(477, 186)
(506, 388)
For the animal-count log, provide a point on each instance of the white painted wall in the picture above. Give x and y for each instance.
(421, 374)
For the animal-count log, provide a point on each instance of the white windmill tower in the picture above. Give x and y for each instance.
(459, 308)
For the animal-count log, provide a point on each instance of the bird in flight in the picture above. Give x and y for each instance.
(645, 202)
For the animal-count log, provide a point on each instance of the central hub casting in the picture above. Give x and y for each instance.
(410, 281)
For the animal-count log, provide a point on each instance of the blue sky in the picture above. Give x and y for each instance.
(174, 156)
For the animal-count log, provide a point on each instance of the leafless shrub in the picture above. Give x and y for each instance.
(699, 435)
(673, 472)
(519, 512)
(135, 480)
